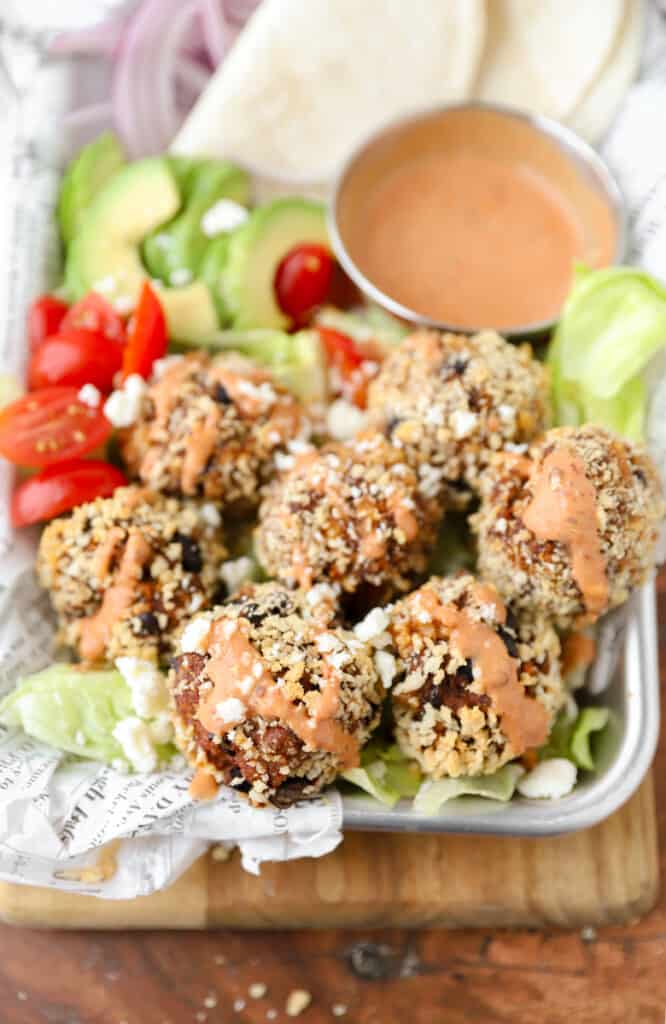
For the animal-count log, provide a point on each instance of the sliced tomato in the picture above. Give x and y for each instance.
(94, 313)
(75, 358)
(50, 426)
(303, 279)
(61, 487)
(147, 335)
(45, 316)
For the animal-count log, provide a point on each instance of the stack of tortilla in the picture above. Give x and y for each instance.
(307, 81)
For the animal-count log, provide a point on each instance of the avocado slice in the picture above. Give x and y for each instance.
(180, 245)
(255, 252)
(85, 176)
(105, 253)
(211, 272)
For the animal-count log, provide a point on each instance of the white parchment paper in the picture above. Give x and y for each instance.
(54, 813)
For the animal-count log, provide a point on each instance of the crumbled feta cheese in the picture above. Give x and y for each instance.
(161, 728)
(435, 416)
(326, 642)
(501, 525)
(386, 667)
(373, 625)
(195, 604)
(230, 711)
(224, 215)
(179, 277)
(134, 737)
(551, 779)
(194, 634)
(515, 449)
(430, 479)
(147, 685)
(463, 423)
(90, 395)
(283, 462)
(322, 593)
(506, 413)
(123, 304)
(340, 658)
(297, 446)
(344, 420)
(236, 572)
(122, 407)
(160, 366)
(210, 514)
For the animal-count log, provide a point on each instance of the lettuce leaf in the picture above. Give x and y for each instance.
(612, 324)
(385, 773)
(78, 710)
(295, 360)
(70, 708)
(499, 786)
(571, 736)
(589, 722)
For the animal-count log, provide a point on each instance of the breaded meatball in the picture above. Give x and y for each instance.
(268, 700)
(351, 515)
(212, 428)
(476, 686)
(449, 401)
(571, 531)
(125, 572)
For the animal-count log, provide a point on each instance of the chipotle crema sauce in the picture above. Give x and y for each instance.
(474, 220)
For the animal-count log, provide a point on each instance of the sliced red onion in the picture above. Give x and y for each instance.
(216, 31)
(143, 83)
(100, 40)
(194, 76)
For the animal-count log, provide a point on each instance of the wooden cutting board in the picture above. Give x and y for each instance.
(607, 874)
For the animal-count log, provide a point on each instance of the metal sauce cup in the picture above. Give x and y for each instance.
(557, 154)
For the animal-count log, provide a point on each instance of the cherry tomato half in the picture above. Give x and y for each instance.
(63, 486)
(94, 313)
(302, 279)
(45, 315)
(49, 426)
(147, 335)
(75, 358)
(343, 353)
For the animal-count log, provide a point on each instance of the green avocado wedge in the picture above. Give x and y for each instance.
(255, 252)
(85, 176)
(105, 254)
(176, 249)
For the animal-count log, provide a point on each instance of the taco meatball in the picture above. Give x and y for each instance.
(125, 572)
(572, 530)
(269, 701)
(449, 401)
(351, 515)
(475, 686)
(212, 428)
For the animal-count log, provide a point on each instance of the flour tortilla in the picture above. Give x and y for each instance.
(309, 79)
(593, 114)
(542, 55)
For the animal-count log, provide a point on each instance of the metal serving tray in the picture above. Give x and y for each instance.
(633, 692)
(629, 745)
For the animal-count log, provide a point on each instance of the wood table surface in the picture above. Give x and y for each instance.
(614, 976)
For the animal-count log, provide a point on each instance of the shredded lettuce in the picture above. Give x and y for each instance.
(295, 360)
(499, 786)
(589, 722)
(572, 733)
(612, 324)
(78, 710)
(371, 323)
(385, 773)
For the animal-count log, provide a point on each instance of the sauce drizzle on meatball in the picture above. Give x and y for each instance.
(239, 675)
(564, 508)
(524, 721)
